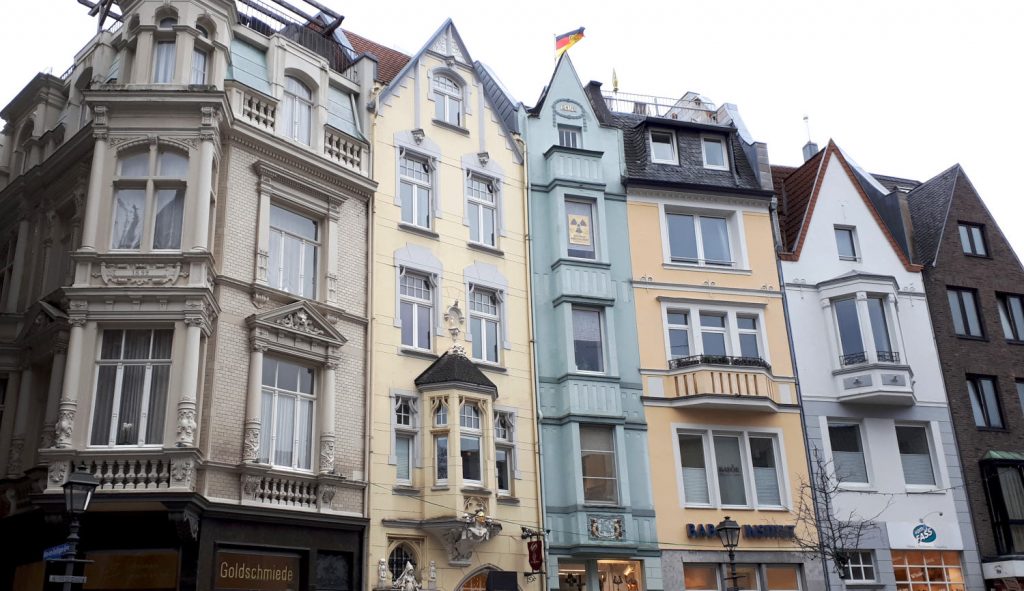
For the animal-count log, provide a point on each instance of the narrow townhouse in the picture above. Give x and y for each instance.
(719, 394)
(185, 214)
(598, 505)
(975, 287)
(453, 464)
(877, 419)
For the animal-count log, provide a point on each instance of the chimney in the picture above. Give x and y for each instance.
(810, 149)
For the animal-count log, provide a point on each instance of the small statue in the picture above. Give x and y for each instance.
(407, 581)
(383, 576)
(433, 571)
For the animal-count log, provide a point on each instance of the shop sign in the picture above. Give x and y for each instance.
(924, 534)
(535, 548)
(753, 532)
(256, 571)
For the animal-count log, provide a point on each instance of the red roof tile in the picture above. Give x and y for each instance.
(390, 61)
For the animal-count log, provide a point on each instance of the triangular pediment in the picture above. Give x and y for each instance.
(301, 318)
(447, 43)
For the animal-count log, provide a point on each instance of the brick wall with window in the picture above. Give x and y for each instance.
(980, 370)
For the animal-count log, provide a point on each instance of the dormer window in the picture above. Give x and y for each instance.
(714, 154)
(447, 100)
(663, 147)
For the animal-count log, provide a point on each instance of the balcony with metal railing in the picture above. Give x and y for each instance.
(874, 377)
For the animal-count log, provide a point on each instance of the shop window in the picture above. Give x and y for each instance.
(700, 577)
(848, 461)
(131, 387)
(927, 570)
(600, 482)
(623, 575)
(782, 577)
(572, 576)
(149, 200)
(859, 567)
(287, 414)
(746, 578)
(294, 250)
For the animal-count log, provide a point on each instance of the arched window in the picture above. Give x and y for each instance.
(477, 582)
(201, 53)
(399, 557)
(167, 22)
(150, 185)
(164, 51)
(296, 110)
(447, 100)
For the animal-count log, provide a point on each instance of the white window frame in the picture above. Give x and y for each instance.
(198, 73)
(448, 99)
(573, 132)
(756, 331)
(827, 422)
(408, 431)
(733, 228)
(601, 318)
(707, 435)
(472, 432)
(481, 208)
(672, 143)
(151, 184)
(115, 404)
(686, 328)
(860, 564)
(932, 456)
(693, 309)
(506, 441)
(290, 103)
(440, 423)
(853, 242)
(417, 186)
(615, 465)
(723, 143)
(303, 242)
(416, 303)
(485, 318)
(270, 423)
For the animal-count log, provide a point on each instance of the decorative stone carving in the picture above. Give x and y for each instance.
(461, 536)
(57, 472)
(300, 320)
(418, 135)
(483, 157)
(432, 576)
(258, 346)
(383, 575)
(260, 299)
(606, 527)
(327, 454)
(140, 273)
(325, 496)
(250, 486)
(454, 320)
(46, 439)
(407, 580)
(65, 422)
(262, 263)
(182, 474)
(332, 287)
(473, 504)
(14, 457)
(251, 444)
(186, 426)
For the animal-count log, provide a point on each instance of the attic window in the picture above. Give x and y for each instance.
(663, 147)
(714, 154)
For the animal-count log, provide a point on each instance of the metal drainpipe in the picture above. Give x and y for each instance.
(528, 239)
(368, 386)
(774, 210)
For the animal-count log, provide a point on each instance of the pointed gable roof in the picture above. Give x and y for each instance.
(455, 370)
(800, 191)
(929, 208)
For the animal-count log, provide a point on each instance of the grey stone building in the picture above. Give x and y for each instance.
(184, 225)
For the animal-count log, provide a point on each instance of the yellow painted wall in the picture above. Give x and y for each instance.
(393, 370)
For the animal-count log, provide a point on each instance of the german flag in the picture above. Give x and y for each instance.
(567, 40)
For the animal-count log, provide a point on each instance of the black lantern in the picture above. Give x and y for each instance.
(729, 532)
(78, 492)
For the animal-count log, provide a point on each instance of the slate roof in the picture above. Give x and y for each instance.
(505, 106)
(454, 369)
(929, 208)
(389, 61)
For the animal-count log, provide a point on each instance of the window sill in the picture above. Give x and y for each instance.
(476, 490)
(925, 490)
(978, 256)
(669, 162)
(856, 487)
(488, 366)
(408, 491)
(440, 488)
(420, 353)
(863, 585)
(447, 125)
(968, 337)
(507, 500)
(485, 248)
(414, 229)
(993, 429)
(594, 263)
(707, 268)
(1014, 342)
(603, 506)
(718, 168)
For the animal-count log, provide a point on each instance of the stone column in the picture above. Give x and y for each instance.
(190, 380)
(253, 405)
(204, 188)
(96, 181)
(60, 356)
(69, 399)
(17, 451)
(327, 439)
(13, 386)
(18, 277)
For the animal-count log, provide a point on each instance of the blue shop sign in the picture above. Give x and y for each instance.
(753, 532)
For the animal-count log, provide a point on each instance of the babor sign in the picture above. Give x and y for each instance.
(256, 571)
(753, 532)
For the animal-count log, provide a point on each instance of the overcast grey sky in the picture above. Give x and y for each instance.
(907, 87)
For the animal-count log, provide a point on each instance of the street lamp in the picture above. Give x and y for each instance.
(78, 491)
(729, 532)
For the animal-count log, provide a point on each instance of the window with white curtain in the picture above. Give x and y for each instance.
(481, 209)
(405, 436)
(287, 414)
(588, 339)
(915, 454)
(699, 239)
(294, 249)
(447, 100)
(742, 462)
(133, 371)
(198, 75)
(600, 481)
(149, 200)
(163, 62)
(296, 114)
(848, 461)
(1005, 484)
(485, 324)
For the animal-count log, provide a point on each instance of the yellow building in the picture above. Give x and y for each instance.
(723, 419)
(453, 426)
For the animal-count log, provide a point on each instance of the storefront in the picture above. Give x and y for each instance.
(926, 555)
(601, 575)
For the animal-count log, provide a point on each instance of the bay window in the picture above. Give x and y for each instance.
(746, 326)
(853, 348)
(294, 249)
(699, 239)
(745, 467)
(504, 450)
(597, 448)
(850, 338)
(416, 310)
(133, 371)
(440, 421)
(712, 333)
(470, 443)
(848, 461)
(296, 111)
(149, 200)
(481, 210)
(287, 415)
(588, 339)
(198, 73)
(164, 50)
(415, 185)
(678, 334)
(484, 324)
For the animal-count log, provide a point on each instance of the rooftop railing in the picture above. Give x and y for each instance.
(695, 111)
(270, 18)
